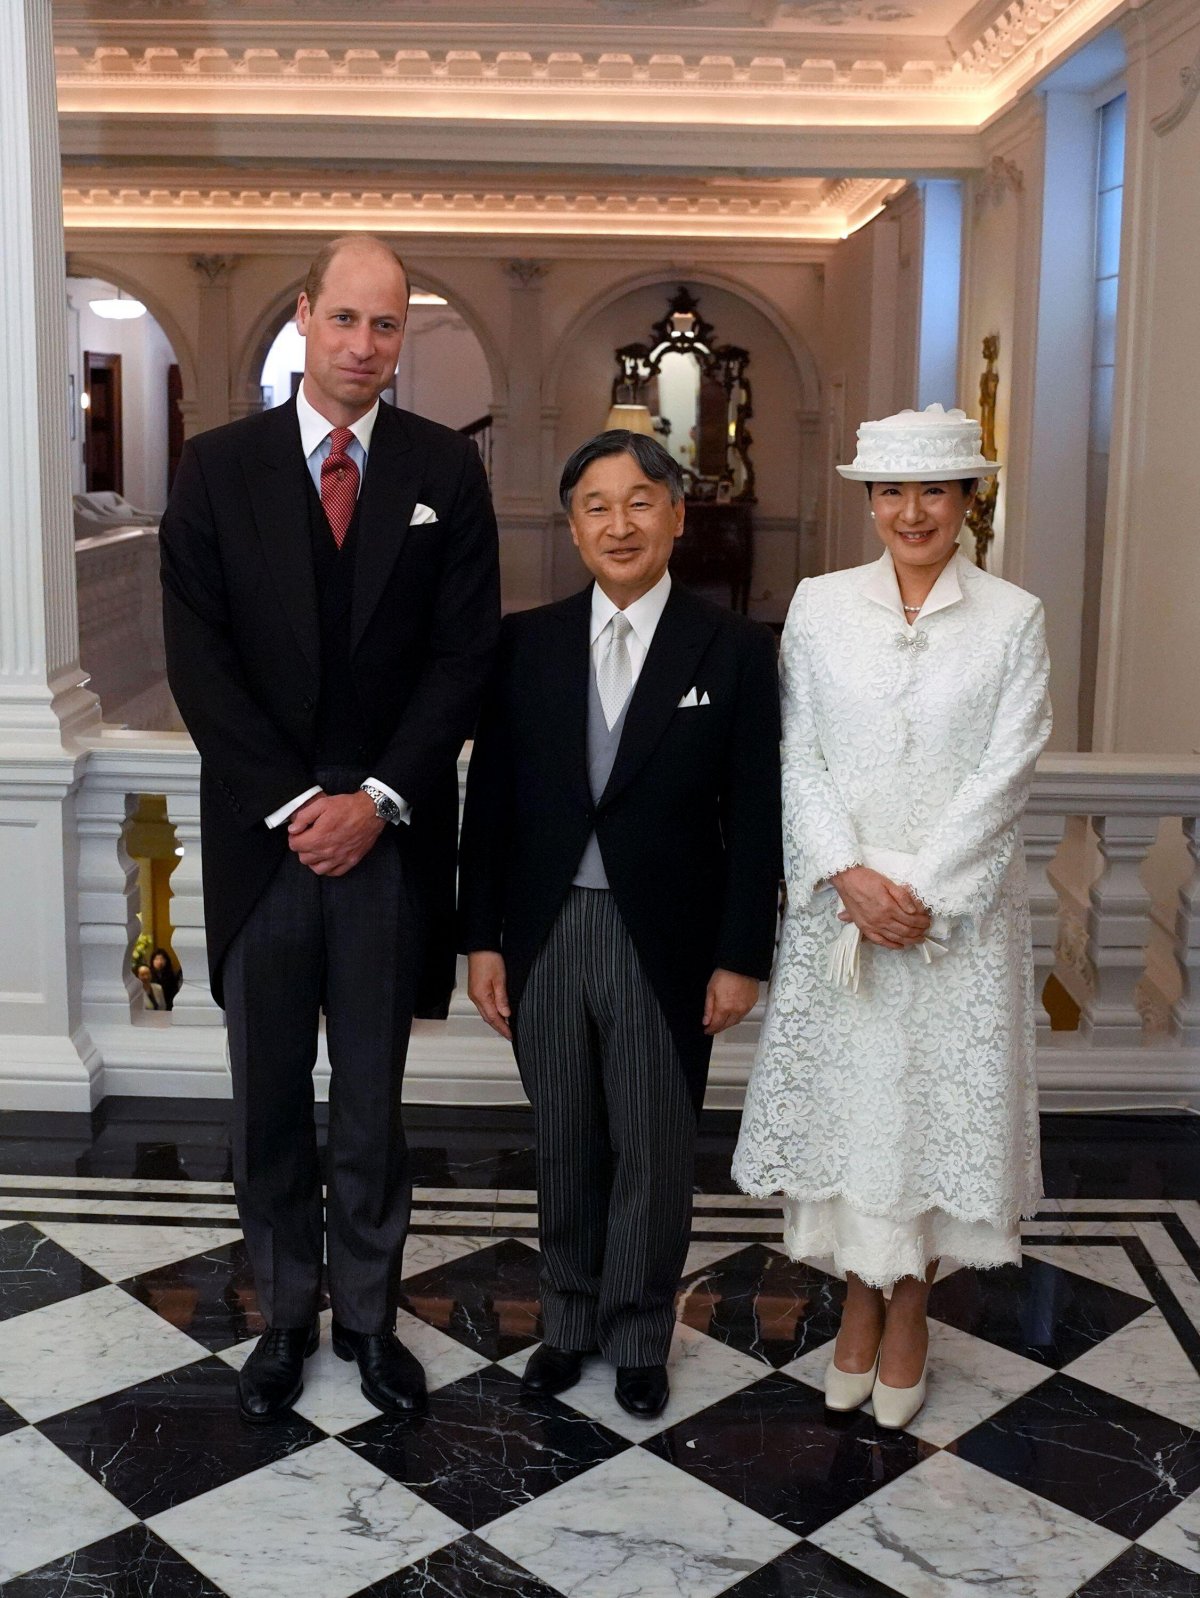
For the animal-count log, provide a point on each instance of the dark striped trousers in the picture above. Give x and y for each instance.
(615, 1132)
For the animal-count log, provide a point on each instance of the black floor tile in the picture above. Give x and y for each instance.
(209, 1296)
(808, 1572)
(164, 1441)
(1137, 1573)
(1100, 1456)
(483, 1448)
(465, 1569)
(777, 1449)
(132, 1564)
(10, 1421)
(35, 1272)
(764, 1304)
(1121, 1156)
(1035, 1309)
(487, 1300)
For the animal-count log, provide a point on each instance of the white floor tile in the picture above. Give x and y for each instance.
(83, 1348)
(1143, 1363)
(636, 1526)
(947, 1529)
(48, 1506)
(119, 1252)
(323, 1523)
(1177, 1535)
(1111, 1266)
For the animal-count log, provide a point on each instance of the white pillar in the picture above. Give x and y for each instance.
(520, 454)
(47, 1060)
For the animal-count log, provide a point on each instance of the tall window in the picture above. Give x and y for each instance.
(1110, 178)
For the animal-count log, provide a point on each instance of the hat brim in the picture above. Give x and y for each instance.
(856, 474)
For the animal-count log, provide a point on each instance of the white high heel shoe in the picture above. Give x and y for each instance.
(895, 1406)
(848, 1389)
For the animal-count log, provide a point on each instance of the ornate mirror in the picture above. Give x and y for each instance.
(698, 397)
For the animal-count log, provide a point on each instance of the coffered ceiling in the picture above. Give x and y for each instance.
(636, 117)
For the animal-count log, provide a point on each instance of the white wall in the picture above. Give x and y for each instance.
(146, 354)
(1149, 677)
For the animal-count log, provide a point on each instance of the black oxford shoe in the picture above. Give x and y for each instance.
(392, 1378)
(272, 1379)
(642, 1390)
(552, 1370)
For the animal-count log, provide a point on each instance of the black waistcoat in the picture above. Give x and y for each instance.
(341, 733)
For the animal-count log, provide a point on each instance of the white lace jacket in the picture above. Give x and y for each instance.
(918, 1091)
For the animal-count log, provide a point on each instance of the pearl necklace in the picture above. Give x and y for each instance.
(911, 610)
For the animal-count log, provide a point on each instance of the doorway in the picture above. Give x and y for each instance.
(103, 451)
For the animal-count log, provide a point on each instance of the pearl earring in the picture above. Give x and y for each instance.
(872, 515)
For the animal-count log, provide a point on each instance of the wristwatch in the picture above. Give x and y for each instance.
(386, 807)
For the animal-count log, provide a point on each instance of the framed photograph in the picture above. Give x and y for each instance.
(266, 394)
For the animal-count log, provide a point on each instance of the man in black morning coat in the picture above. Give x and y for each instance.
(619, 875)
(331, 606)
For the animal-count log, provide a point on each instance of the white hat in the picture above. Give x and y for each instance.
(929, 446)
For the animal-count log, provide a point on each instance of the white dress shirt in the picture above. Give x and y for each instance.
(316, 442)
(643, 617)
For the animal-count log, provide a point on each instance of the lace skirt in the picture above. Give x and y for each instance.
(880, 1249)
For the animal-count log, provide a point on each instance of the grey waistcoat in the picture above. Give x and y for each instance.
(602, 744)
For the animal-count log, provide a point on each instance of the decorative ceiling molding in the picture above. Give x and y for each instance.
(1189, 78)
(829, 212)
(519, 72)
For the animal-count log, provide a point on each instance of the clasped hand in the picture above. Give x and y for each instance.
(883, 911)
(333, 831)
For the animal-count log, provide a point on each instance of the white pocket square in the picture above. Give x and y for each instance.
(421, 515)
(691, 702)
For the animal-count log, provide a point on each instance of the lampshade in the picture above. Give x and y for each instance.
(119, 309)
(634, 418)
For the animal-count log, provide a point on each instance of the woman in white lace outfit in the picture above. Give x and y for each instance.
(893, 1100)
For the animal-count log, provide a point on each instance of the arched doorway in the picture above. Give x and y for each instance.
(443, 372)
(126, 426)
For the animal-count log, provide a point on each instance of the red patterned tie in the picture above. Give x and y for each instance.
(339, 484)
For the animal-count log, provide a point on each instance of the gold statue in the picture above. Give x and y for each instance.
(983, 507)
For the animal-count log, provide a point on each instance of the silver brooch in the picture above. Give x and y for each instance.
(912, 640)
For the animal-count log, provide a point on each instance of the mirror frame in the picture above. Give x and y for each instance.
(684, 331)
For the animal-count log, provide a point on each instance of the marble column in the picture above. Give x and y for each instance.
(520, 487)
(47, 1059)
(213, 405)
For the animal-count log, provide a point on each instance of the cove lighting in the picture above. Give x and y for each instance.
(422, 297)
(118, 309)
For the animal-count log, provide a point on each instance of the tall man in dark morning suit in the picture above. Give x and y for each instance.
(331, 606)
(619, 876)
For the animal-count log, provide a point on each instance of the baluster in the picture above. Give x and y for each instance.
(1185, 1014)
(1041, 835)
(107, 905)
(194, 1004)
(1118, 929)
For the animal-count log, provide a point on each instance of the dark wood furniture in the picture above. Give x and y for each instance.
(717, 549)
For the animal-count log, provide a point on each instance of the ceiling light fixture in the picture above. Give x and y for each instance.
(118, 309)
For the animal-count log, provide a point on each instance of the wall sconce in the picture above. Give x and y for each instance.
(119, 309)
(633, 418)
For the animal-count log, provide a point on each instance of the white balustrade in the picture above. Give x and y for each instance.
(1185, 1016)
(1112, 1058)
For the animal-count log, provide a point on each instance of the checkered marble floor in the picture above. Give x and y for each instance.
(1059, 1451)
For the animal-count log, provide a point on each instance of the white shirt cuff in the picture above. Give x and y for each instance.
(402, 805)
(278, 817)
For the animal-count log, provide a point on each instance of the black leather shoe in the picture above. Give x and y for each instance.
(642, 1390)
(552, 1370)
(272, 1379)
(392, 1378)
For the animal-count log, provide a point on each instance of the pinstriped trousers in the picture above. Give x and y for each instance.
(615, 1134)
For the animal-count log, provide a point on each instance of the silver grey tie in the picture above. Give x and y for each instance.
(614, 674)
